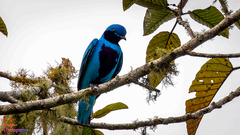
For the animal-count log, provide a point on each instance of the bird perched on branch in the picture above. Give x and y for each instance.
(101, 62)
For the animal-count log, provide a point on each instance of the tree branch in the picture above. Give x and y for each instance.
(18, 94)
(185, 25)
(4, 96)
(157, 121)
(18, 78)
(125, 79)
(5, 75)
(13, 95)
(213, 55)
(224, 7)
(150, 88)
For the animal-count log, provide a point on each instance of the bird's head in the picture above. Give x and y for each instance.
(114, 33)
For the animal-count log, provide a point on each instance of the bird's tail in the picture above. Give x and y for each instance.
(84, 110)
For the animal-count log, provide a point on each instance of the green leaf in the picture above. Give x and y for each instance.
(210, 17)
(3, 27)
(127, 4)
(225, 33)
(206, 84)
(157, 47)
(107, 109)
(154, 18)
(91, 131)
(237, 23)
(154, 4)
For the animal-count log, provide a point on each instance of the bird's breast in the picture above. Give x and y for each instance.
(108, 58)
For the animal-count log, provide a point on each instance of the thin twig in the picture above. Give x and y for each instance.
(147, 86)
(191, 53)
(56, 86)
(182, 3)
(185, 25)
(224, 7)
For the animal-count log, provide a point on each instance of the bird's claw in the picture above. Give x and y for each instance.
(94, 87)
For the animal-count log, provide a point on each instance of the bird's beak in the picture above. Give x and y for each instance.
(123, 37)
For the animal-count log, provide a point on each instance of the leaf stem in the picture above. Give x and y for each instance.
(171, 32)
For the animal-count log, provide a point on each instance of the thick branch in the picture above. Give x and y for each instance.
(236, 55)
(158, 121)
(125, 79)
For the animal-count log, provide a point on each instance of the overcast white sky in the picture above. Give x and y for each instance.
(44, 31)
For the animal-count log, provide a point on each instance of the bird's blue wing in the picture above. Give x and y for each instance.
(86, 57)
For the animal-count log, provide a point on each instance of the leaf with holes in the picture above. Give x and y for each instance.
(154, 18)
(206, 84)
(91, 131)
(159, 45)
(109, 108)
(3, 27)
(210, 17)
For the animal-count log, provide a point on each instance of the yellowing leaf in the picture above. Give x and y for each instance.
(210, 17)
(154, 18)
(127, 4)
(157, 47)
(3, 27)
(107, 109)
(206, 84)
(91, 131)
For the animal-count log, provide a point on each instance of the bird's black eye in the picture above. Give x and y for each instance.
(113, 30)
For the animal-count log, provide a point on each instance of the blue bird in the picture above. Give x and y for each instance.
(101, 62)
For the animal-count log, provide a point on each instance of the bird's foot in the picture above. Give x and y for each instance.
(94, 87)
